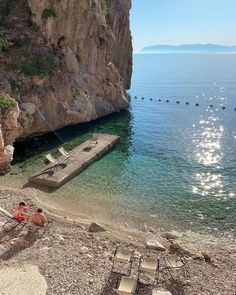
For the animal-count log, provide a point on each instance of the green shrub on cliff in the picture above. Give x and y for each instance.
(48, 13)
(15, 85)
(7, 7)
(104, 6)
(4, 42)
(4, 103)
(40, 64)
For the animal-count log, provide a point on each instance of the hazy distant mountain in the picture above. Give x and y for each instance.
(189, 48)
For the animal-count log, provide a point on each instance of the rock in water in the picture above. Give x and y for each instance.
(94, 228)
(155, 245)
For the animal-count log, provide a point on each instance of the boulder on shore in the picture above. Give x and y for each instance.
(22, 280)
(170, 236)
(94, 228)
(155, 245)
(189, 250)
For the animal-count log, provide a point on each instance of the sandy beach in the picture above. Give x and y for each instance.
(75, 261)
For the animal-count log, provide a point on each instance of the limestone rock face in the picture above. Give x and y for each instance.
(95, 43)
(70, 62)
(8, 134)
(118, 20)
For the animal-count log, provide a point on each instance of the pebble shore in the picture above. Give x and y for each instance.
(75, 261)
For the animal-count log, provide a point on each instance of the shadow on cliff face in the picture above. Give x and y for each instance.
(71, 136)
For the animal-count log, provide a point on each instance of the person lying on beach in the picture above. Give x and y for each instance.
(21, 212)
(38, 218)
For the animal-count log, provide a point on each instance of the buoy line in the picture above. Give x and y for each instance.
(186, 102)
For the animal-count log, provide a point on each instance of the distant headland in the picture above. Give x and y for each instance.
(189, 48)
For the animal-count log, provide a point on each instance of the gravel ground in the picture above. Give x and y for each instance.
(74, 261)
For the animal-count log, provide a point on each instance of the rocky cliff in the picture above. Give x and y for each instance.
(62, 62)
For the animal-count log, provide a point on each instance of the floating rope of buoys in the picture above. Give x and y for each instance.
(187, 102)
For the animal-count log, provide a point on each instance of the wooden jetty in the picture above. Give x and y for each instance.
(55, 175)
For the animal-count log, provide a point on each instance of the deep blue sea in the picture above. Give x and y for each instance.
(176, 163)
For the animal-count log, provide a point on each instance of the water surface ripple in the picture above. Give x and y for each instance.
(176, 162)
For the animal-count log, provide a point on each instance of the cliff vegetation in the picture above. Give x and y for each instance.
(62, 62)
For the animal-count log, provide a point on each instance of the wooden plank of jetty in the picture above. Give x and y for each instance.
(55, 175)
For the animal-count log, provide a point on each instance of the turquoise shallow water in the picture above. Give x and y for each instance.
(175, 163)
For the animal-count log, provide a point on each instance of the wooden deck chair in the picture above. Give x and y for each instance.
(127, 286)
(94, 140)
(50, 158)
(63, 152)
(149, 265)
(124, 256)
(173, 261)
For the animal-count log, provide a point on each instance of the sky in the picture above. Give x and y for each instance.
(183, 22)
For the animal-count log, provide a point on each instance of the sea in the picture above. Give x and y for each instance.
(175, 165)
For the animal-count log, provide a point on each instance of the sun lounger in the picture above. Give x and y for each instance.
(63, 152)
(50, 158)
(10, 219)
(123, 255)
(6, 213)
(149, 265)
(127, 286)
(173, 261)
(94, 140)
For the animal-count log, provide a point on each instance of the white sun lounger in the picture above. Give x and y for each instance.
(124, 256)
(173, 261)
(10, 218)
(94, 140)
(50, 158)
(149, 265)
(5, 212)
(127, 286)
(63, 152)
